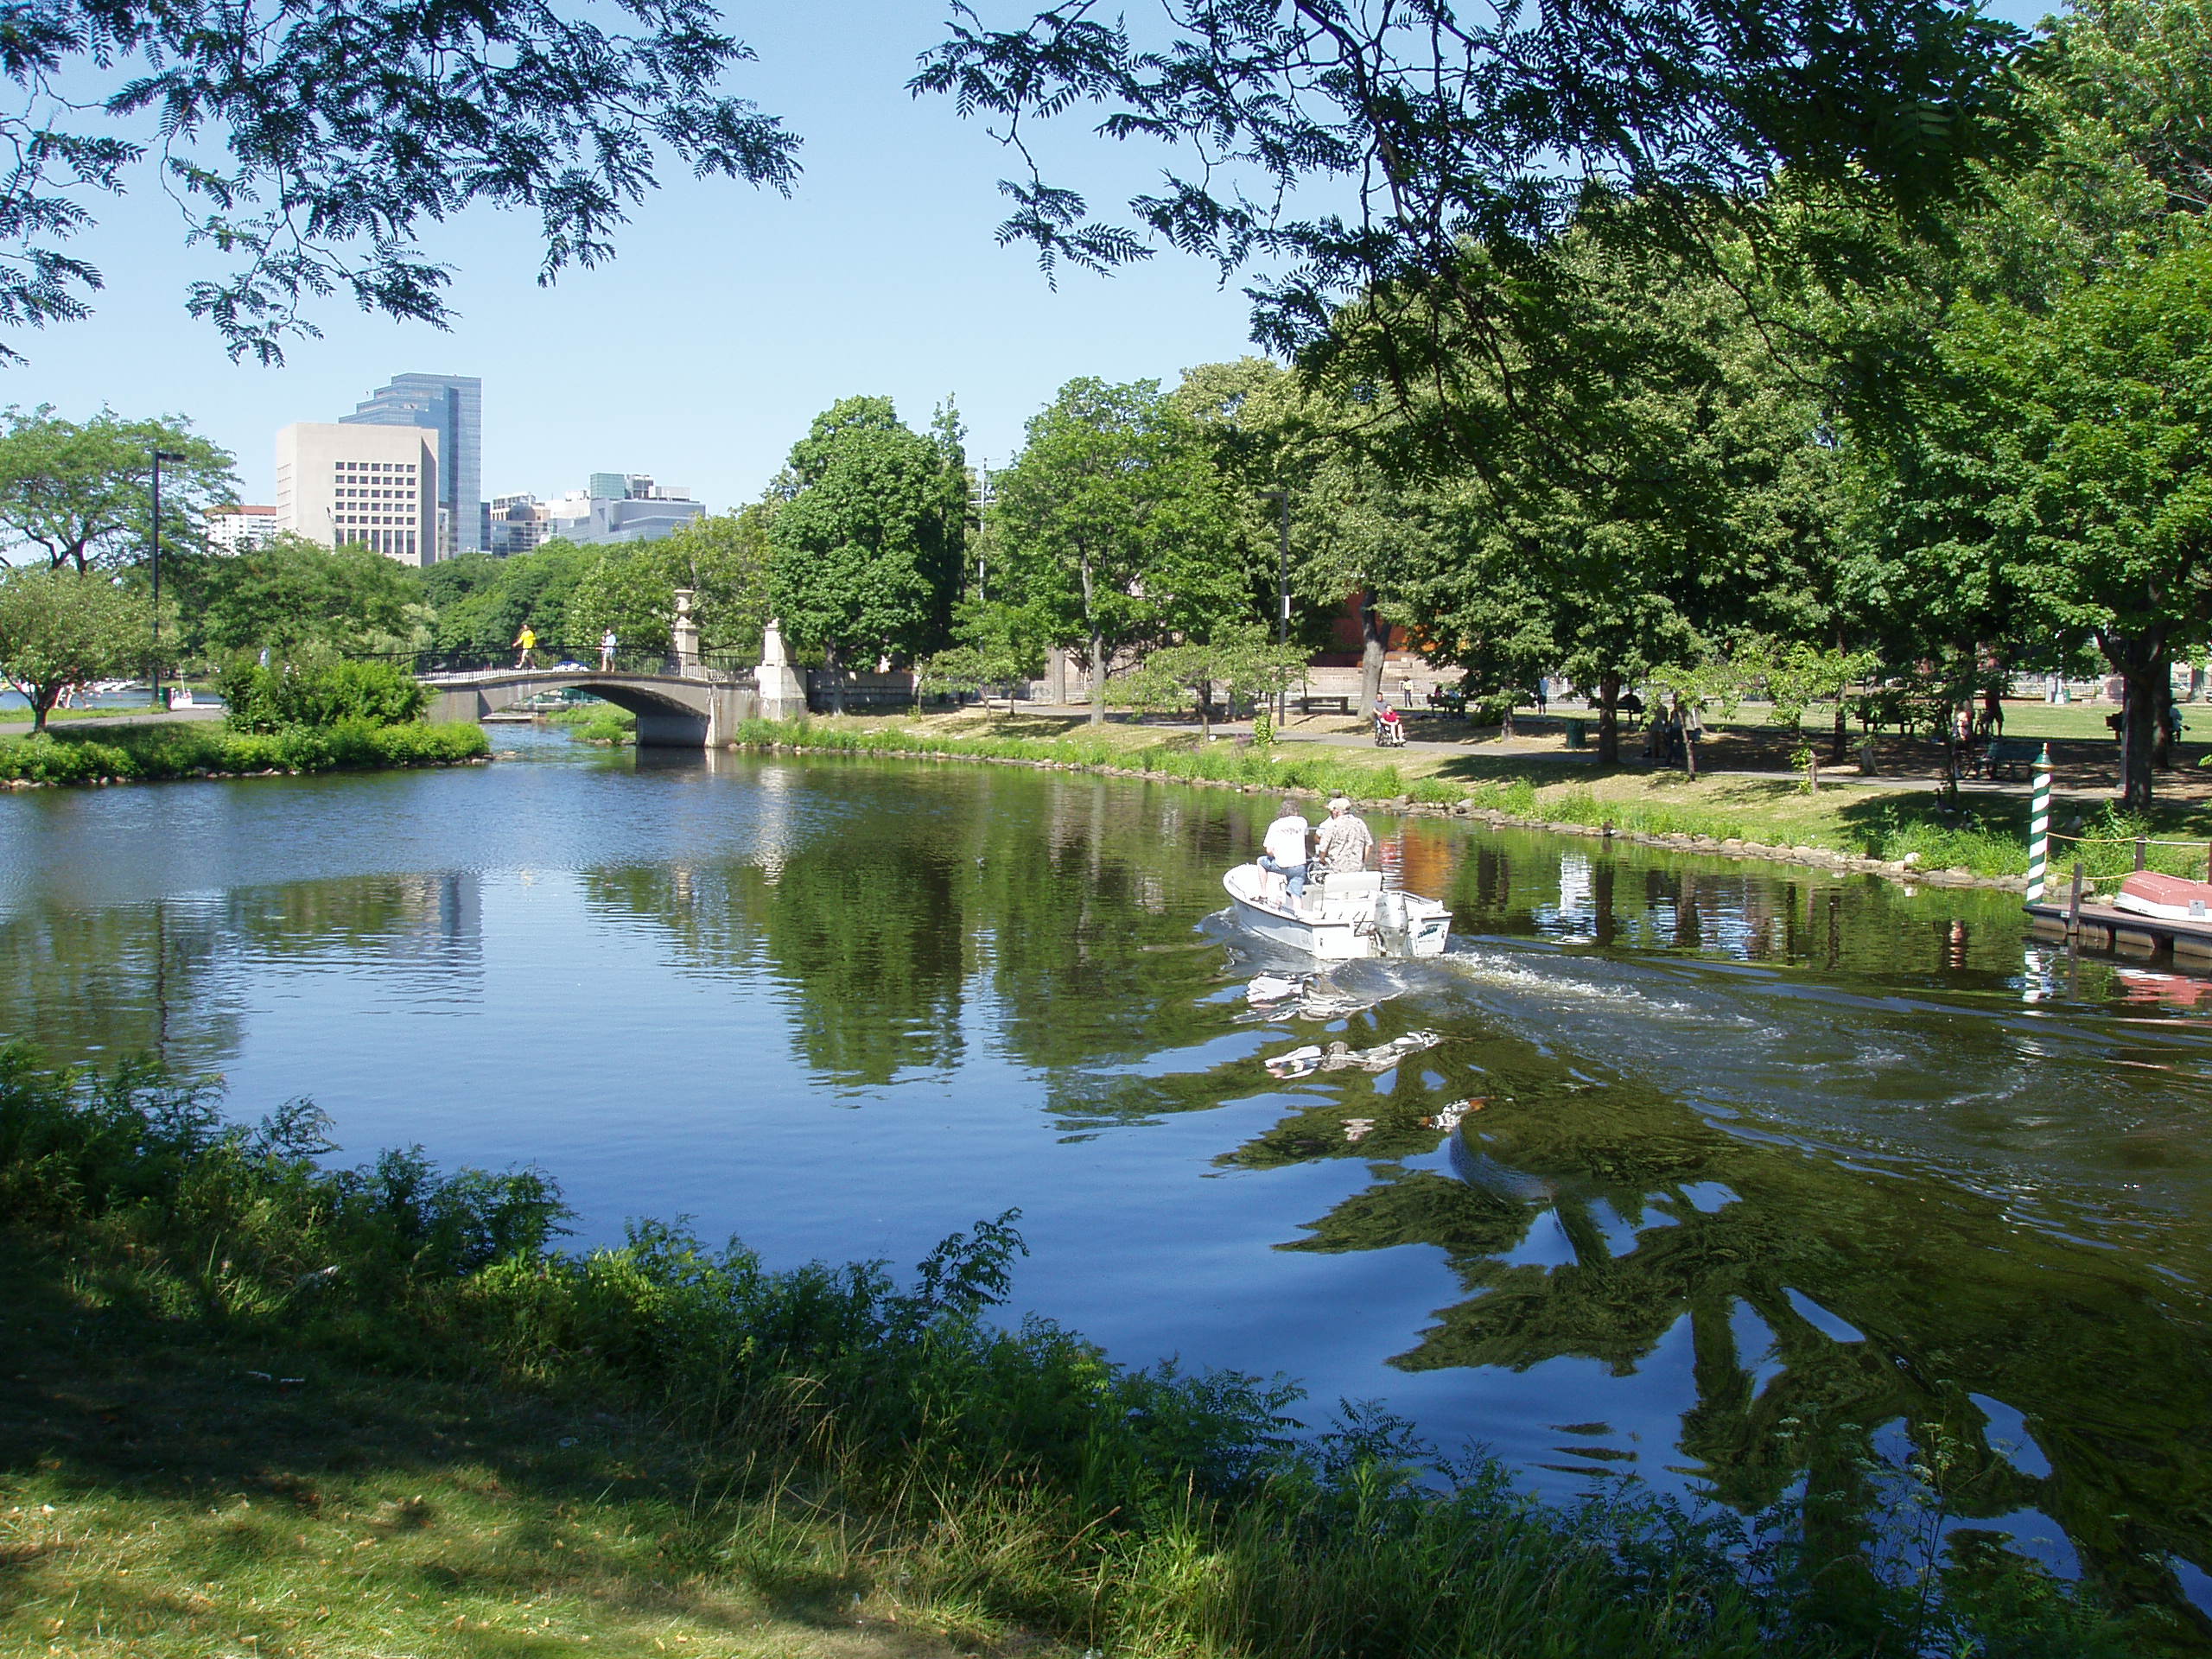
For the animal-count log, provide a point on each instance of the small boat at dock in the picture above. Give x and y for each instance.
(1341, 916)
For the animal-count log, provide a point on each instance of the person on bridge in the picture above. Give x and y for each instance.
(607, 652)
(526, 647)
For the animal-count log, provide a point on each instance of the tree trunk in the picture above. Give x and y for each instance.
(1205, 711)
(1609, 720)
(41, 700)
(2162, 750)
(1374, 644)
(833, 661)
(2138, 662)
(1838, 738)
(1097, 646)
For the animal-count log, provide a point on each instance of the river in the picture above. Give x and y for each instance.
(1765, 1179)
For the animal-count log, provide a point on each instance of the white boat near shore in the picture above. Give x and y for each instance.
(1340, 918)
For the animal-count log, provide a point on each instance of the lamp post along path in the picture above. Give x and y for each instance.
(160, 455)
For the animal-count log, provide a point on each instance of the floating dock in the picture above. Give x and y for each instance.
(2103, 926)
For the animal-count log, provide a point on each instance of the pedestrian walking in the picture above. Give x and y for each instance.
(607, 652)
(526, 647)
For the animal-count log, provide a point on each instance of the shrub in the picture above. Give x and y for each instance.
(1015, 1474)
(270, 699)
(148, 753)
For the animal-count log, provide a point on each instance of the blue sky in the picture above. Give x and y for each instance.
(730, 317)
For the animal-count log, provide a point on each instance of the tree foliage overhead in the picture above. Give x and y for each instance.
(1419, 129)
(310, 142)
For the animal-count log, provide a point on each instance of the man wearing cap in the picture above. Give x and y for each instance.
(1285, 850)
(1342, 844)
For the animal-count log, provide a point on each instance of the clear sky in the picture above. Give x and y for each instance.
(729, 318)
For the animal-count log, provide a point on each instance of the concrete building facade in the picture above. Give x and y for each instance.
(451, 405)
(376, 484)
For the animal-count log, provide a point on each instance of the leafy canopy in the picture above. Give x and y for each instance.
(58, 628)
(308, 143)
(81, 494)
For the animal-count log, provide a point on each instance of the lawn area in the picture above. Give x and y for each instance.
(166, 1493)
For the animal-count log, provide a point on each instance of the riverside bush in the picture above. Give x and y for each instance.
(1008, 1480)
(145, 754)
(272, 699)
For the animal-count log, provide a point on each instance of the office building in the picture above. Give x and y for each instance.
(622, 507)
(376, 484)
(519, 524)
(234, 529)
(451, 405)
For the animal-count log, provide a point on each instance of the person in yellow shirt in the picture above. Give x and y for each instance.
(526, 647)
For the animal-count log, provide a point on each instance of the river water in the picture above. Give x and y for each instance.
(1763, 1179)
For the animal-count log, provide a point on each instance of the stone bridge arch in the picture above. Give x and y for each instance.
(692, 711)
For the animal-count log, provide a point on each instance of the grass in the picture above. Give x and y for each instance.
(261, 1406)
(597, 722)
(1984, 834)
(198, 749)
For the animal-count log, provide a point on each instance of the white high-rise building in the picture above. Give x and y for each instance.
(234, 529)
(375, 484)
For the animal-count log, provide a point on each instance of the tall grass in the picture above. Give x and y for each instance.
(140, 754)
(996, 1479)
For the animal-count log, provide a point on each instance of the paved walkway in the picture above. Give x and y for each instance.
(97, 723)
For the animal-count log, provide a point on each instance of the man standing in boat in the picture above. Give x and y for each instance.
(1343, 843)
(1284, 853)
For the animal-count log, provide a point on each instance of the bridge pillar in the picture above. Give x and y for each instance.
(783, 692)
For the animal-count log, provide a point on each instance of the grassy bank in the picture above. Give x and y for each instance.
(1984, 835)
(143, 753)
(597, 722)
(257, 1406)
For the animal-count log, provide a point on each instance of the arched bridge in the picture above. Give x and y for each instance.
(694, 708)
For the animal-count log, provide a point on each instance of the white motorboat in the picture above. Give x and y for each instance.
(1340, 917)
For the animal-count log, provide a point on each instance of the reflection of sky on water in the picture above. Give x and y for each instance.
(841, 1010)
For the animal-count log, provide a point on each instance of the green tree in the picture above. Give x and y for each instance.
(867, 546)
(480, 602)
(293, 595)
(1454, 145)
(58, 628)
(1117, 532)
(81, 494)
(1240, 661)
(309, 144)
(2098, 421)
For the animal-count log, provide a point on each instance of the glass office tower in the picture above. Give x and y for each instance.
(452, 405)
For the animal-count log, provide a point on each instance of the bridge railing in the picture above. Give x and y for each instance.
(546, 655)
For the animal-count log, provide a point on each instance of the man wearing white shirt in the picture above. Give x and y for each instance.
(1285, 850)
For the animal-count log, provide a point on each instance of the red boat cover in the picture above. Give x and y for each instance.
(2168, 889)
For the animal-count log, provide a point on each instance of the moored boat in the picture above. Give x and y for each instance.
(1341, 916)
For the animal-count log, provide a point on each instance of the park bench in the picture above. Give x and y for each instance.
(2008, 754)
(1305, 704)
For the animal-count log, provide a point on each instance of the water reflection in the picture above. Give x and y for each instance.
(1748, 1180)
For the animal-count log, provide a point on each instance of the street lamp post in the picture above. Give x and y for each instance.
(1282, 598)
(160, 455)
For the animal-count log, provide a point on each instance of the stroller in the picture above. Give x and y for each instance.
(1389, 728)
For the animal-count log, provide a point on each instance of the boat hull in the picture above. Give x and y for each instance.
(1370, 924)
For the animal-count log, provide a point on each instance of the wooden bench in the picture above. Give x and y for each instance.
(2008, 754)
